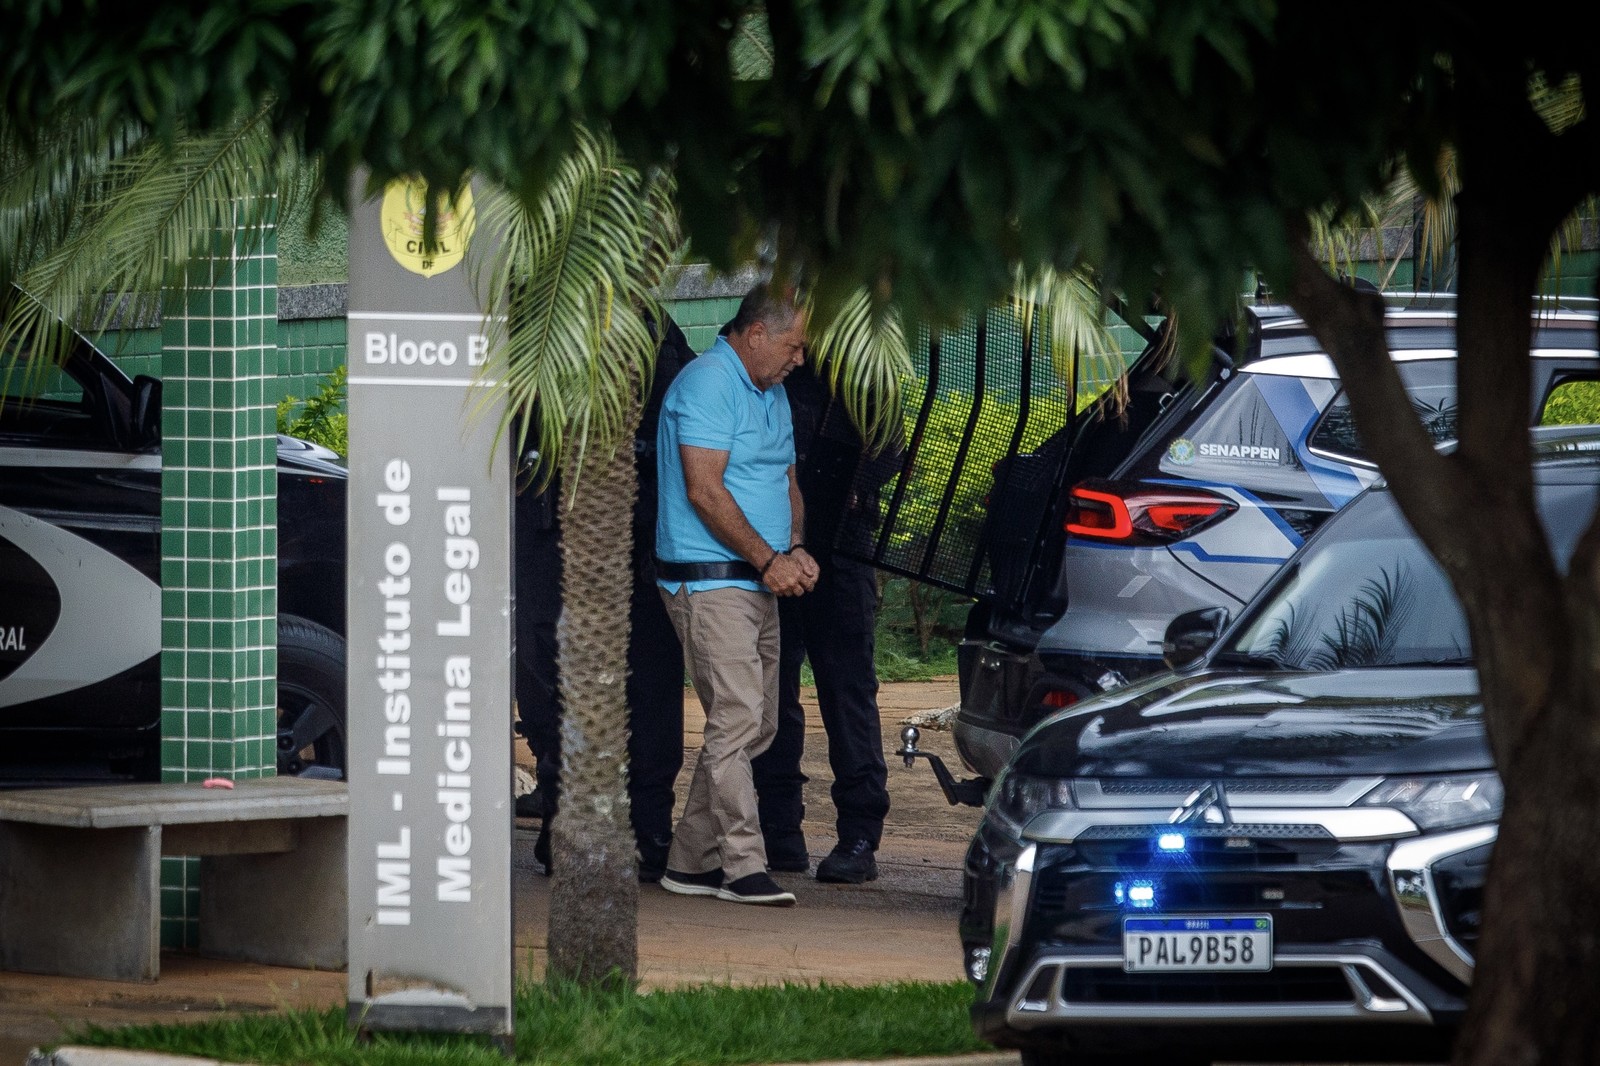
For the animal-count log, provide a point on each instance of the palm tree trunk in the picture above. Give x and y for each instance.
(594, 892)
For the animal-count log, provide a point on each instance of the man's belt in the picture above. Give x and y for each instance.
(732, 570)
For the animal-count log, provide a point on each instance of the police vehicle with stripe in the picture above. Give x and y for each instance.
(81, 576)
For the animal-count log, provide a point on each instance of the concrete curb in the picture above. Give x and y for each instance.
(72, 1055)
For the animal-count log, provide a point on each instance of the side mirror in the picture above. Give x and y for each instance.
(146, 428)
(1191, 634)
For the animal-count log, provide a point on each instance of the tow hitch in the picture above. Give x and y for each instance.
(970, 791)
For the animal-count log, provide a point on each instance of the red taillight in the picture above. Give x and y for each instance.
(1142, 514)
(1182, 517)
(1099, 514)
(1058, 698)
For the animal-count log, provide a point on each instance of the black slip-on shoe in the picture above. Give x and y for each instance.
(755, 888)
(849, 863)
(706, 884)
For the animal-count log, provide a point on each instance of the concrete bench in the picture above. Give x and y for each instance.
(80, 874)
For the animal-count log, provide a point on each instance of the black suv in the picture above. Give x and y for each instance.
(1172, 495)
(1280, 848)
(80, 573)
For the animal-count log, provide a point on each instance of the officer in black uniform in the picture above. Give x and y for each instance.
(833, 626)
(655, 658)
(537, 592)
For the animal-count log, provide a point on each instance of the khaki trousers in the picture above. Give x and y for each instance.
(730, 647)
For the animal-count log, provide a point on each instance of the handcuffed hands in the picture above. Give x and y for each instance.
(792, 573)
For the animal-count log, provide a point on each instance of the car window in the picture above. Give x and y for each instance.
(1368, 594)
(51, 409)
(1431, 384)
(1245, 436)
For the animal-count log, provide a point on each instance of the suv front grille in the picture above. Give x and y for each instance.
(1082, 906)
(1282, 786)
(1307, 984)
(1207, 847)
(1053, 897)
(1167, 794)
(1138, 787)
(1059, 894)
(1238, 831)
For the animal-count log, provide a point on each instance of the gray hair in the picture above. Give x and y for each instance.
(761, 304)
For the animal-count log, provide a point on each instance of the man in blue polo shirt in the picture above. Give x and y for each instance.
(728, 541)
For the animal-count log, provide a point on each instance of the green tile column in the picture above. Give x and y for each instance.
(219, 338)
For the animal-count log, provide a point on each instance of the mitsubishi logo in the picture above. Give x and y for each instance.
(1205, 805)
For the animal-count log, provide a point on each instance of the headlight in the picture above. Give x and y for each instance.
(1018, 797)
(1442, 802)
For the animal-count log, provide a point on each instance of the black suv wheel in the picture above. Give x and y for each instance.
(311, 700)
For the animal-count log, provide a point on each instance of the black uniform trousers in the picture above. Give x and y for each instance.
(538, 602)
(833, 626)
(654, 687)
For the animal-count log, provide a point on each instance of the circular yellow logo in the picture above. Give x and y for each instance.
(401, 217)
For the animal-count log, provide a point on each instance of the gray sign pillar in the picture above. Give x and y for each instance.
(429, 590)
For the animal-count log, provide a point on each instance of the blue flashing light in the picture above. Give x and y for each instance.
(1170, 842)
(1142, 894)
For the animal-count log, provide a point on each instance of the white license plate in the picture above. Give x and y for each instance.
(1197, 944)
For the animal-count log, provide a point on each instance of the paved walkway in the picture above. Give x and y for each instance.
(901, 927)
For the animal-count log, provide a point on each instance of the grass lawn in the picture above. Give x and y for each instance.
(709, 1024)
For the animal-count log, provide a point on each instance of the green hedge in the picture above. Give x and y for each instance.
(1575, 403)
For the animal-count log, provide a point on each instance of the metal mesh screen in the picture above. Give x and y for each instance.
(959, 501)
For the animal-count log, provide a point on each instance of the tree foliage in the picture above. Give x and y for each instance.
(926, 152)
(582, 265)
(95, 216)
(319, 418)
(922, 151)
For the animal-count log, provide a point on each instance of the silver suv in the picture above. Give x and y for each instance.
(1165, 496)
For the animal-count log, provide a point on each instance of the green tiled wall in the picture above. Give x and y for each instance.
(137, 351)
(308, 351)
(700, 319)
(219, 340)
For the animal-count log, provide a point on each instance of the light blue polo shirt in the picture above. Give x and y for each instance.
(712, 403)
